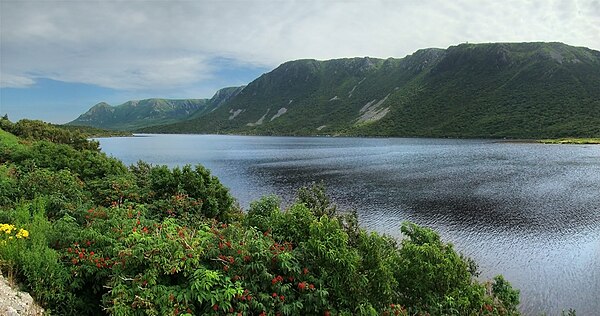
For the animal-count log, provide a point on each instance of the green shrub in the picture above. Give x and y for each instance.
(149, 240)
(316, 199)
(31, 259)
(204, 194)
(432, 276)
(62, 191)
(262, 212)
(508, 297)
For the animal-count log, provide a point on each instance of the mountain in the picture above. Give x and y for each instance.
(519, 90)
(305, 97)
(134, 114)
(221, 97)
(515, 90)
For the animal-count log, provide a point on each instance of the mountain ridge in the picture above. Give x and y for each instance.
(515, 90)
(135, 114)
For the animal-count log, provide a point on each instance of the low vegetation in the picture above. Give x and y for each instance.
(89, 131)
(76, 136)
(579, 141)
(91, 236)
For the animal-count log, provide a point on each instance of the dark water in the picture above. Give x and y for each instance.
(528, 211)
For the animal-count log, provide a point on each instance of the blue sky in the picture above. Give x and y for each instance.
(60, 102)
(58, 58)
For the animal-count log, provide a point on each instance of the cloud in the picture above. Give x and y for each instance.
(8, 80)
(141, 45)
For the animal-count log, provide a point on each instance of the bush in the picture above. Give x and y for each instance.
(149, 240)
(508, 297)
(204, 194)
(62, 191)
(31, 259)
(316, 199)
(262, 212)
(433, 277)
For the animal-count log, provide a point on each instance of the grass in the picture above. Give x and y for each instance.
(571, 141)
(8, 140)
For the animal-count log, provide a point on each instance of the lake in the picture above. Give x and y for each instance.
(528, 211)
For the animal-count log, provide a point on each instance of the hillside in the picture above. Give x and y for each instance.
(135, 114)
(519, 90)
(221, 97)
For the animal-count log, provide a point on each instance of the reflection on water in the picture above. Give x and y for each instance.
(530, 212)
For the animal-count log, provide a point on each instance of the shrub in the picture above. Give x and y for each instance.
(149, 240)
(316, 199)
(31, 259)
(262, 212)
(204, 192)
(432, 276)
(508, 297)
(62, 191)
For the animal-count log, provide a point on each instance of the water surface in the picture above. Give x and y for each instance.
(528, 211)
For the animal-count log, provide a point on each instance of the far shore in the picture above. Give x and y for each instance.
(551, 141)
(576, 141)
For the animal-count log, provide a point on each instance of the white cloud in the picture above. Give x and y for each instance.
(141, 45)
(8, 80)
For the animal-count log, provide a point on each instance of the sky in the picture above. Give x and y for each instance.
(59, 58)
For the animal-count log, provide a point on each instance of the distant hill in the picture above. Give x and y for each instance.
(135, 114)
(515, 90)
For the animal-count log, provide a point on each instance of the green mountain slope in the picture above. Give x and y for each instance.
(135, 114)
(527, 90)
(521, 90)
(221, 97)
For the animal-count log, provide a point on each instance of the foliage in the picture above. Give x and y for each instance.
(93, 237)
(186, 192)
(35, 262)
(315, 198)
(570, 312)
(434, 276)
(61, 189)
(38, 130)
(89, 131)
(506, 294)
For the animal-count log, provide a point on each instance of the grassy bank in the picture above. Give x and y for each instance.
(578, 141)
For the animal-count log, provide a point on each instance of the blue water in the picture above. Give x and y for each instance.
(528, 211)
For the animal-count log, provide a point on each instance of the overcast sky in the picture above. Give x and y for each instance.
(58, 58)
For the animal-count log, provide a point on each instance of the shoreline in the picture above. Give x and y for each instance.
(545, 141)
